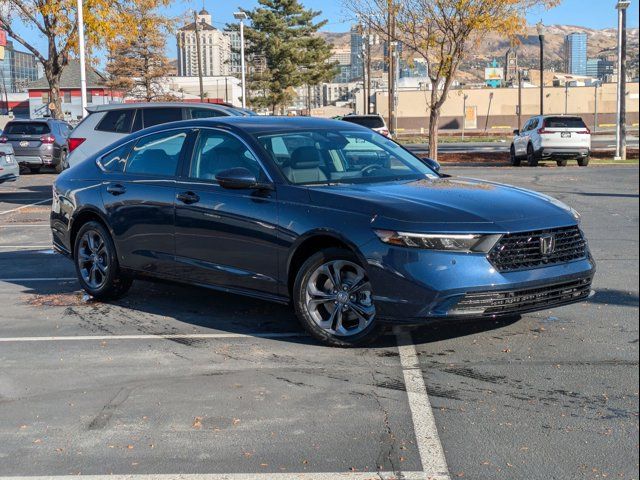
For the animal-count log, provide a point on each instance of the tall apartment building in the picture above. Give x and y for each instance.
(17, 69)
(215, 49)
(575, 53)
(357, 60)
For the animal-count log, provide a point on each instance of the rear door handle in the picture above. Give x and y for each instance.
(188, 197)
(116, 189)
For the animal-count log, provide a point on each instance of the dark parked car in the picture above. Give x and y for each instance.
(345, 224)
(38, 143)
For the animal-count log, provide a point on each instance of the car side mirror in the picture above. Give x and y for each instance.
(432, 164)
(240, 178)
(516, 132)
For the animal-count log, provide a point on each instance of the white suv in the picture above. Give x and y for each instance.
(107, 123)
(553, 137)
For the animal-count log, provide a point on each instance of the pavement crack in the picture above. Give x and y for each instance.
(103, 418)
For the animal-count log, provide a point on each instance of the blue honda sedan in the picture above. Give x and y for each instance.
(340, 222)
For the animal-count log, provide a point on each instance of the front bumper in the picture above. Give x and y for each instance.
(414, 286)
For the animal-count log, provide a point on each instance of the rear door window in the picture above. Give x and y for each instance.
(27, 128)
(369, 122)
(157, 155)
(116, 121)
(158, 116)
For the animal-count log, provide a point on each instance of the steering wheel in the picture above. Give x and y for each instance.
(369, 169)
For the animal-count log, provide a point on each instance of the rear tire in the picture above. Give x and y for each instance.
(62, 163)
(515, 161)
(561, 163)
(96, 263)
(35, 170)
(532, 158)
(584, 162)
(332, 299)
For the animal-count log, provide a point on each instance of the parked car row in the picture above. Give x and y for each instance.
(342, 223)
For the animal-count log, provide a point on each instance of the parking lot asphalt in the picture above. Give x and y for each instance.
(179, 380)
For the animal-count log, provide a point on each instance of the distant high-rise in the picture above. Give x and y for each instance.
(601, 68)
(17, 69)
(357, 62)
(215, 48)
(575, 53)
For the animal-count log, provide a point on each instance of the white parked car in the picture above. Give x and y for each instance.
(107, 123)
(9, 168)
(552, 137)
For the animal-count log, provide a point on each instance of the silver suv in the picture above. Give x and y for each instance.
(107, 123)
(38, 143)
(552, 137)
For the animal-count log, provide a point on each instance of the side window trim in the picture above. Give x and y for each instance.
(99, 159)
(189, 163)
(185, 147)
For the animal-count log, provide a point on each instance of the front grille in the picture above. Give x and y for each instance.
(521, 251)
(518, 301)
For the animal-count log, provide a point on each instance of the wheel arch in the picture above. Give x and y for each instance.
(313, 242)
(83, 216)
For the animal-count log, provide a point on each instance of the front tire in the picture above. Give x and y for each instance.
(96, 263)
(515, 161)
(333, 300)
(532, 158)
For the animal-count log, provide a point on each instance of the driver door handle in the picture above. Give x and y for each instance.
(116, 189)
(188, 197)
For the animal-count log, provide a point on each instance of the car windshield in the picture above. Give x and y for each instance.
(27, 128)
(369, 122)
(336, 156)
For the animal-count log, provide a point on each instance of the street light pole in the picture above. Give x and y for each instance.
(519, 99)
(621, 128)
(242, 16)
(83, 73)
(540, 28)
(199, 54)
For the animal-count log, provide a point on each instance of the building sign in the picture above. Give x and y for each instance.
(471, 117)
(3, 38)
(493, 73)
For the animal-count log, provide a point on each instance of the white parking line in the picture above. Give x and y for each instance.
(432, 456)
(25, 206)
(172, 336)
(41, 279)
(242, 476)
(25, 225)
(25, 247)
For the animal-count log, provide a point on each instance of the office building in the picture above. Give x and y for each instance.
(357, 60)
(17, 69)
(575, 54)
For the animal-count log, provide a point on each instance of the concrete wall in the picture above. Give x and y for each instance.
(414, 116)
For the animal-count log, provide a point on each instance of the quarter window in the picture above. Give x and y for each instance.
(115, 161)
(205, 113)
(219, 151)
(158, 154)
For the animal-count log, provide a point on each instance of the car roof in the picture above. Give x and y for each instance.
(266, 124)
(121, 106)
(33, 120)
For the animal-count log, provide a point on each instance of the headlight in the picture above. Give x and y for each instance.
(440, 241)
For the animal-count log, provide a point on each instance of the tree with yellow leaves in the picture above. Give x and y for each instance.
(56, 21)
(443, 33)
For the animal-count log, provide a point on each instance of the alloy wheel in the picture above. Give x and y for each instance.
(338, 298)
(93, 259)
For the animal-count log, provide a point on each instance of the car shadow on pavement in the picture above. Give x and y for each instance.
(24, 195)
(159, 308)
(615, 297)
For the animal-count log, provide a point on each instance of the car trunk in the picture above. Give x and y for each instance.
(26, 138)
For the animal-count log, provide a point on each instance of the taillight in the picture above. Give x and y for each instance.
(542, 131)
(3, 139)
(584, 132)
(75, 143)
(47, 139)
(384, 132)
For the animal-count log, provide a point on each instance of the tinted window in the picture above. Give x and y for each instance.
(116, 160)
(158, 116)
(116, 121)
(564, 122)
(157, 154)
(218, 151)
(205, 113)
(27, 128)
(369, 122)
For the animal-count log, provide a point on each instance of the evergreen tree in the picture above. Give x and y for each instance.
(138, 66)
(283, 38)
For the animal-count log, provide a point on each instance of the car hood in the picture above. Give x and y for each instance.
(446, 204)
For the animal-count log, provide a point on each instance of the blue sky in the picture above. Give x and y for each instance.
(586, 13)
